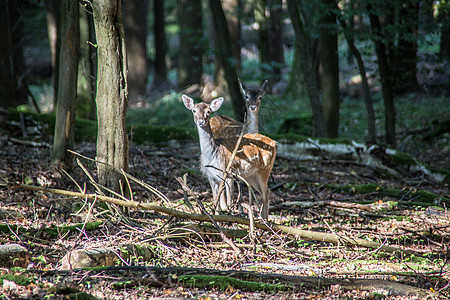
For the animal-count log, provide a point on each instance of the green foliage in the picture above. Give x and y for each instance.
(223, 283)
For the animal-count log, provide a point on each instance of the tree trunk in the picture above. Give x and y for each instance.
(190, 64)
(135, 13)
(349, 36)
(308, 64)
(276, 39)
(386, 80)
(232, 11)
(67, 90)
(263, 35)
(405, 55)
(226, 55)
(112, 93)
(329, 65)
(86, 100)
(444, 43)
(7, 82)
(160, 75)
(54, 33)
(12, 90)
(16, 15)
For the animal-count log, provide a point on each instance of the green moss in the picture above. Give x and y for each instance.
(357, 189)
(72, 293)
(419, 196)
(18, 279)
(52, 231)
(86, 130)
(223, 282)
(402, 159)
(158, 134)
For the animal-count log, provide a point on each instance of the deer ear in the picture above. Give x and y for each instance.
(216, 104)
(264, 86)
(188, 102)
(242, 87)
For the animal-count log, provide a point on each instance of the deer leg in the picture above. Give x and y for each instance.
(229, 188)
(265, 204)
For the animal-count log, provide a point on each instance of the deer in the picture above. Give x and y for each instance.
(224, 126)
(253, 161)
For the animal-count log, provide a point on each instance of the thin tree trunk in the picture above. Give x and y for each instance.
(232, 11)
(348, 33)
(54, 37)
(226, 55)
(190, 61)
(67, 89)
(263, 35)
(444, 43)
(7, 82)
(329, 64)
(135, 13)
(307, 61)
(386, 81)
(112, 93)
(405, 56)
(160, 77)
(276, 39)
(86, 99)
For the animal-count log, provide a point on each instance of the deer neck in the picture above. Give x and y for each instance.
(208, 146)
(252, 117)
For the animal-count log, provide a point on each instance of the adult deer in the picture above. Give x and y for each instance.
(224, 126)
(253, 160)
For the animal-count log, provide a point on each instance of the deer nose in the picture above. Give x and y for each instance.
(253, 107)
(201, 122)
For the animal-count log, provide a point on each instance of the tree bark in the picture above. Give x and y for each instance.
(67, 81)
(54, 33)
(112, 93)
(7, 82)
(135, 13)
(276, 39)
(226, 55)
(263, 35)
(329, 65)
(86, 87)
(405, 55)
(190, 64)
(349, 36)
(160, 75)
(232, 11)
(308, 64)
(386, 80)
(444, 43)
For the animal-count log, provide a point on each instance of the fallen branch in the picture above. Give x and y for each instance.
(387, 287)
(200, 204)
(304, 234)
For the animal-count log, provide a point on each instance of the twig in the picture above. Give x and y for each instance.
(230, 163)
(147, 186)
(268, 226)
(200, 204)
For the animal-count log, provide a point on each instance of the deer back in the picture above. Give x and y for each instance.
(224, 126)
(255, 155)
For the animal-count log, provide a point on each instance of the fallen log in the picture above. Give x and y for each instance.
(167, 274)
(268, 226)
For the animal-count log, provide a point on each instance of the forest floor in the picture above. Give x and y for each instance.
(27, 217)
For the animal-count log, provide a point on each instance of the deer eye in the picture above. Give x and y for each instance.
(194, 110)
(208, 112)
